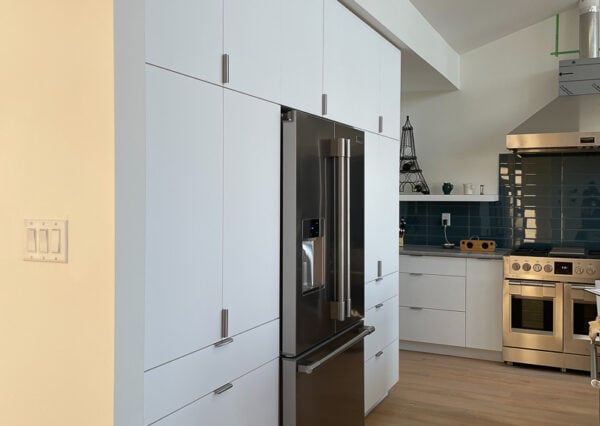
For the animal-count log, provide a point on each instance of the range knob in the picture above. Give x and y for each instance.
(579, 269)
(548, 268)
(526, 267)
(516, 266)
(537, 267)
(591, 270)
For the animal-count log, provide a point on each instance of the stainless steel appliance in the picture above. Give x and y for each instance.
(569, 122)
(322, 280)
(546, 308)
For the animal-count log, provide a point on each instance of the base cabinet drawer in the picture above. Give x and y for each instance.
(435, 265)
(381, 373)
(382, 289)
(173, 385)
(252, 400)
(432, 291)
(432, 326)
(384, 317)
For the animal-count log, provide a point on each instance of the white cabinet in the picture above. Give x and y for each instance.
(252, 39)
(384, 317)
(176, 384)
(251, 211)
(389, 93)
(451, 301)
(381, 373)
(186, 36)
(184, 176)
(251, 400)
(484, 304)
(302, 55)
(351, 68)
(381, 205)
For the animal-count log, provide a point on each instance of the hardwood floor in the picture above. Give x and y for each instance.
(443, 390)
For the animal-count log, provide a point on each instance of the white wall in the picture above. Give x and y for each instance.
(458, 135)
(57, 162)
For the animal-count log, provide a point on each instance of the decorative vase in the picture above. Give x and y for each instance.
(447, 187)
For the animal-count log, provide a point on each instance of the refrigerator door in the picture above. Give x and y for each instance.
(322, 230)
(325, 386)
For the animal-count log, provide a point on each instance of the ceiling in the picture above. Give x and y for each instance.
(468, 24)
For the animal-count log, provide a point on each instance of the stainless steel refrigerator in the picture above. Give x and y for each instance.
(322, 280)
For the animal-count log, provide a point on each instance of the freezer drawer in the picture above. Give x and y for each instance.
(325, 387)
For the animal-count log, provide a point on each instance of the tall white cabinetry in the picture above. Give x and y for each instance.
(212, 296)
(217, 73)
(381, 266)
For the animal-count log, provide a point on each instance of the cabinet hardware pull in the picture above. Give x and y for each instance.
(416, 308)
(415, 274)
(379, 270)
(224, 322)
(225, 70)
(223, 342)
(381, 124)
(378, 354)
(379, 305)
(324, 103)
(223, 388)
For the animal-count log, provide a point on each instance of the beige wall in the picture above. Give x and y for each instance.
(57, 161)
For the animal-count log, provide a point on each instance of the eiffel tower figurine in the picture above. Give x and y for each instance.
(410, 172)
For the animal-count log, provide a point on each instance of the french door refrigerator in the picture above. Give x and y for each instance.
(322, 279)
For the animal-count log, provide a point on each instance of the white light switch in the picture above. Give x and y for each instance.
(54, 241)
(31, 240)
(43, 240)
(46, 240)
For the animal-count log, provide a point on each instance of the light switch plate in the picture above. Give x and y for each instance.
(45, 240)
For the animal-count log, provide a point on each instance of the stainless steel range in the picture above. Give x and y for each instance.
(546, 308)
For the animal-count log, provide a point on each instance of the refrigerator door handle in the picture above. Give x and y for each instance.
(308, 369)
(347, 275)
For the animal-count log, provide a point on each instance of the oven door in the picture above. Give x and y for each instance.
(533, 315)
(580, 308)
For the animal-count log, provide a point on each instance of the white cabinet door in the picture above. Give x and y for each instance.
(432, 291)
(252, 400)
(376, 291)
(184, 215)
(435, 265)
(351, 68)
(252, 39)
(381, 205)
(384, 317)
(302, 55)
(390, 88)
(484, 304)
(251, 211)
(186, 36)
(381, 373)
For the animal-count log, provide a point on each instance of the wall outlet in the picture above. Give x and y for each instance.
(446, 219)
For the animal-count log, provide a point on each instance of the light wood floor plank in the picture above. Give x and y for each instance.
(444, 390)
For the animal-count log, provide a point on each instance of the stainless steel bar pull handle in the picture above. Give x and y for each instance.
(225, 68)
(223, 342)
(341, 230)
(223, 388)
(347, 275)
(308, 369)
(379, 270)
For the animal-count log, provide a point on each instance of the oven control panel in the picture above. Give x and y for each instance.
(552, 268)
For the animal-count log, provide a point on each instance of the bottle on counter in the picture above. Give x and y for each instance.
(402, 231)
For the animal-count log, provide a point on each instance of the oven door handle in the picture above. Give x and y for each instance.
(531, 284)
(580, 286)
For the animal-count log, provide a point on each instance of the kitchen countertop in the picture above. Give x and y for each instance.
(417, 250)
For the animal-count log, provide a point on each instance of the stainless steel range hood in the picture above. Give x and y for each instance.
(570, 122)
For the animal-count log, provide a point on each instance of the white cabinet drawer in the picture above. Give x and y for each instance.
(433, 265)
(180, 382)
(432, 291)
(381, 373)
(252, 400)
(384, 317)
(378, 291)
(432, 326)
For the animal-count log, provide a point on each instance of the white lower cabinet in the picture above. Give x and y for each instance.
(176, 384)
(377, 291)
(451, 301)
(432, 326)
(384, 317)
(250, 400)
(381, 373)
